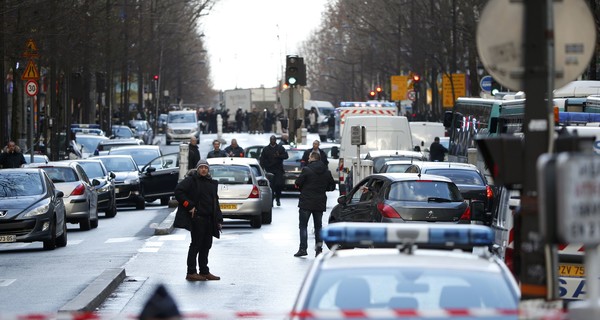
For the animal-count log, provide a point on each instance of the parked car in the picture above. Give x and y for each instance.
(408, 271)
(397, 166)
(159, 178)
(105, 145)
(95, 169)
(266, 193)
(128, 189)
(88, 144)
(405, 197)
(31, 208)
(142, 130)
(37, 158)
(239, 191)
(380, 157)
(469, 180)
(141, 154)
(162, 122)
(80, 197)
(292, 167)
(121, 132)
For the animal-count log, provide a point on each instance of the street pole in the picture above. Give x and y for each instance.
(291, 117)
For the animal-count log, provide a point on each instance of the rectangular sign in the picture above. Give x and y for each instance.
(459, 83)
(399, 87)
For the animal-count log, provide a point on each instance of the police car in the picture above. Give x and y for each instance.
(413, 271)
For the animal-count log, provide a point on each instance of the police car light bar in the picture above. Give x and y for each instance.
(387, 234)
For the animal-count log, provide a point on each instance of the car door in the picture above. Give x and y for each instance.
(359, 205)
(160, 176)
(91, 191)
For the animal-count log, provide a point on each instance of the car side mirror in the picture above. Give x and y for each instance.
(150, 169)
(95, 182)
(341, 200)
(112, 175)
(417, 149)
(263, 182)
(478, 212)
(60, 194)
(168, 162)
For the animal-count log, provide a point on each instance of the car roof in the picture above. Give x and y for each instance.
(405, 161)
(61, 164)
(449, 165)
(114, 156)
(411, 177)
(131, 141)
(136, 147)
(383, 153)
(232, 160)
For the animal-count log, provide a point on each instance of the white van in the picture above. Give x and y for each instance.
(382, 133)
(182, 125)
(323, 109)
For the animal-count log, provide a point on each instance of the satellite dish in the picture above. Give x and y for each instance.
(500, 41)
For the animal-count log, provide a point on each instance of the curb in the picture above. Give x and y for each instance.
(95, 293)
(166, 226)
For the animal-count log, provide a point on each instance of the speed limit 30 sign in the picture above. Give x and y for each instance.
(31, 87)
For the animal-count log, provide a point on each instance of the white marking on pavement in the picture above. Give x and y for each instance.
(118, 240)
(153, 250)
(6, 282)
(154, 243)
(170, 237)
(74, 242)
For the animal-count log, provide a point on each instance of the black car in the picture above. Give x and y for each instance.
(405, 197)
(128, 189)
(469, 180)
(31, 208)
(95, 169)
(159, 178)
(293, 167)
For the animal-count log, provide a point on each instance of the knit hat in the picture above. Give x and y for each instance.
(201, 162)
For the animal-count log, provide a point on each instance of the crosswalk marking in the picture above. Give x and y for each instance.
(6, 282)
(119, 240)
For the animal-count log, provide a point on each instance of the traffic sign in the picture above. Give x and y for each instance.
(411, 95)
(358, 135)
(31, 87)
(31, 71)
(486, 83)
(578, 197)
(31, 50)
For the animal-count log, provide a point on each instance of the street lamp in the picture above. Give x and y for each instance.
(352, 79)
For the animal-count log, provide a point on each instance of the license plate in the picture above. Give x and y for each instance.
(225, 206)
(8, 238)
(571, 270)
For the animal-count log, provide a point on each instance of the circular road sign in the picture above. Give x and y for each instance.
(500, 41)
(31, 87)
(411, 95)
(486, 83)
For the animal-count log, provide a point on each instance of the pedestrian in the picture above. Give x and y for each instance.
(199, 212)
(331, 127)
(234, 150)
(437, 151)
(284, 139)
(271, 159)
(312, 120)
(315, 148)
(239, 120)
(216, 152)
(314, 181)
(193, 153)
(11, 156)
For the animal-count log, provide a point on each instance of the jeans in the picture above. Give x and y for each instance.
(200, 246)
(304, 217)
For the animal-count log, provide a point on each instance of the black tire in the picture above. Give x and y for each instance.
(94, 223)
(61, 240)
(256, 222)
(267, 217)
(50, 244)
(141, 204)
(168, 142)
(112, 211)
(85, 224)
(164, 201)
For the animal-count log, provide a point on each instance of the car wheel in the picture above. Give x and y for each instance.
(51, 243)
(168, 142)
(267, 217)
(112, 211)
(256, 222)
(61, 241)
(94, 223)
(141, 204)
(164, 201)
(85, 224)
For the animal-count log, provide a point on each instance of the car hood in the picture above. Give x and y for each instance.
(123, 175)
(178, 126)
(15, 205)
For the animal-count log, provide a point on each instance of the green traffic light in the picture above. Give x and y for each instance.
(292, 80)
(495, 91)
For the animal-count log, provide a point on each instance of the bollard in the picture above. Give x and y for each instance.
(184, 150)
(304, 134)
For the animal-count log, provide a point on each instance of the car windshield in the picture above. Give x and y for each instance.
(378, 162)
(181, 117)
(61, 174)
(294, 155)
(93, 169)
(118, 164)
(410, 288)
(89, 144)
(423, 190)
(18, 184)
(397, 167)
(140, 156)
(141, 126)
(326, 111)
(122, 132)
(457, 176)
(231, 174)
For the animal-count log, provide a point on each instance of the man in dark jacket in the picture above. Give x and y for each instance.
(193, 154)
(216, 152)
(315, 148)
(271, 159)
(234, 150)
(437, 151)
(11, 157)
(312, 182)
(199, 212)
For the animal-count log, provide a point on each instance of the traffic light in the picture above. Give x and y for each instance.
(416, 79)
(379, 92)
(496, 87)
(155, 77)
(372, 94)
(295, 71)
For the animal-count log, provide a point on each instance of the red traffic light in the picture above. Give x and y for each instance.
(378, 89)
(416, 78)
(155, 77)
(372, 93)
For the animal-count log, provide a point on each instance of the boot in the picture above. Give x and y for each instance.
(318, 251)
(301, 253)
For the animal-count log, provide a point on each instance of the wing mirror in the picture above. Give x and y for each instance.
(478, 212)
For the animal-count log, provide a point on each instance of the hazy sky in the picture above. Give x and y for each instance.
(247, 40)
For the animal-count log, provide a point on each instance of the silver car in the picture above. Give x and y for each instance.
(240, 192)
(80, 196)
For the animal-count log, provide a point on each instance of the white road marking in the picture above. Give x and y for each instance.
(118, 240)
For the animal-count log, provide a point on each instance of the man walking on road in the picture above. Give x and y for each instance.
(234, 150)
(315, 148)
(312, 182)
(437, 151)
(271, 159)
(193, 153)
(199, 212)
(216, 152)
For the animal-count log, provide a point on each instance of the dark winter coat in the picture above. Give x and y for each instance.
(437, 152)
(234, 152)
(193, 156)
(196, 191)
(12, 159)
(308, 152)
(216, 154)
(271, 159)
(313, 182)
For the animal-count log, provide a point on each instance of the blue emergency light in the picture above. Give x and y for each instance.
(388, 234)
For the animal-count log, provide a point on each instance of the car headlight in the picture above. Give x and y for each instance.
(104, 188)
(169, 130)
(38, 209)
(132, 181)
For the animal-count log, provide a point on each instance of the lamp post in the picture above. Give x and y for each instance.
(352, 70)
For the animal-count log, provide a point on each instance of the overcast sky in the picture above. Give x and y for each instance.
(247, 40)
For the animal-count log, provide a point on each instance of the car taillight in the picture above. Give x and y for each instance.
(489, 193)
(387, 211)
(509, 259)
(466, 215)
(254, 193)
(79, 190)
